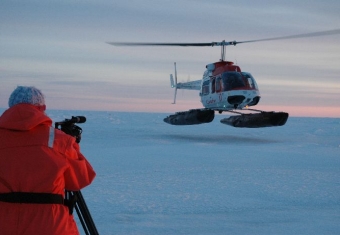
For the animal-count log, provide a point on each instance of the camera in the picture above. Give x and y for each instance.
(68, 126)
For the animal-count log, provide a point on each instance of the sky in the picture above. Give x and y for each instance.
(61, 48)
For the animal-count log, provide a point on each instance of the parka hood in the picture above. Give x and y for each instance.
(23, 117)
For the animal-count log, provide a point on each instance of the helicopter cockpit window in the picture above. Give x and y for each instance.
(213, 85)
(205, 87)
(232, 80)
(218, 84)
(251, 80)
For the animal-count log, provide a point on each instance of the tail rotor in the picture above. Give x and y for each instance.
(174, 83)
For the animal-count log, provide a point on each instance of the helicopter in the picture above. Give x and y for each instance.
(224, 87)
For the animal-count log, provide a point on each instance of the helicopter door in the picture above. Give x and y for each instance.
(205, 87)
(218, 84)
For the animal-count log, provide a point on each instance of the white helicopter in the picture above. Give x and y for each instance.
(224, 87)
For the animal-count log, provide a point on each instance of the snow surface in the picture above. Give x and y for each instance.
(155, 178)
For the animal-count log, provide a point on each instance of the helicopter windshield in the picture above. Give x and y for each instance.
(232, 80)
(251, 80)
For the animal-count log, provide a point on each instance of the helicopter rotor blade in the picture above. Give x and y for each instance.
(224, 43)
(306, 35)
(158, 44)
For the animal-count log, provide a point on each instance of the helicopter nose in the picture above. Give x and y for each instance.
(236, 99)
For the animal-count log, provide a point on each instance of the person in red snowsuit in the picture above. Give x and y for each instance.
(37, 164)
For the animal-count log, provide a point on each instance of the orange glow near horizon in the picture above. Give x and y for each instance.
(166, 106)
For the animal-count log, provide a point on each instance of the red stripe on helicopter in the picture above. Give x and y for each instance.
(225, 66)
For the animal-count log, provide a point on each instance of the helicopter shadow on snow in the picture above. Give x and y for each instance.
(221, 139)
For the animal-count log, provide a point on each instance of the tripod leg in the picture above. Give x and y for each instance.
(81, 219)
(84, 215)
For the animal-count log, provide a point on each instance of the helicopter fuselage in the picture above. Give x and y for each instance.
(225, 87)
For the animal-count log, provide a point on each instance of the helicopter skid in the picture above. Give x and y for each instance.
(191, 117)
(257, 120)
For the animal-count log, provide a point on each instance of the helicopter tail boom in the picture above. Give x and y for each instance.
(193, 85)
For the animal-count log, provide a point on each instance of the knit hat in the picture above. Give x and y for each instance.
(26, 95)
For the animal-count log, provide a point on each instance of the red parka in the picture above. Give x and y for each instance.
(35, 157)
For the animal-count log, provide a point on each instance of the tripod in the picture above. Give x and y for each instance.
(77, 200)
